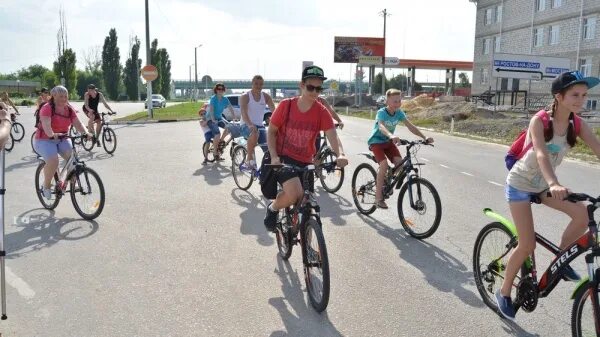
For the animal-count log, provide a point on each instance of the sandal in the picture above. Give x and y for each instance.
(381, 204)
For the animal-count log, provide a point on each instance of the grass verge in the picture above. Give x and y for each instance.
(181, 111)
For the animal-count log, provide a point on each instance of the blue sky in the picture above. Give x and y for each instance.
(240, 38)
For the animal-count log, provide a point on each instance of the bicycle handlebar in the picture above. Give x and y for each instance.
(413, 142)
(109, 113)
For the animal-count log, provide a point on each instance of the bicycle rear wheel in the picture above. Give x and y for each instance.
(88, 143)
(242, 174)
(490, 257)
(582, 318)
(39, 179)
(32, 142)
(109, 140)
(316, 267)
(283, 234)
(421, 218)
(17, 131)
(331, 176)
(87, 193)
(208, 152)
(10, 143)
(363, 188)
(74, 133)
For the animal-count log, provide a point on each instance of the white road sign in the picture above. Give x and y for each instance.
(392, 61)
(369, 60)
(529, 67)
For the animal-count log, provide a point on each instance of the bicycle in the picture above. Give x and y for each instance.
(109, 137)
(489, 269)
(10, 143)
(302, 224)
(17, 130)
(208, 147)
(244, 174)
(80, 178)
(330, 175)
(406, 176)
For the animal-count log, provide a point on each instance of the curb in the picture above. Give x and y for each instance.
(153, 121)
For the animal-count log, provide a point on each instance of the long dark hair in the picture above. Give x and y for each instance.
(549, 132)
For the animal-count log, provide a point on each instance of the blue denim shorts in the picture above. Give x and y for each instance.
(514, 195)
(214, 128)
(262, 133)
(50, 148)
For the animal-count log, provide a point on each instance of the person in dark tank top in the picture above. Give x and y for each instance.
(92, 99)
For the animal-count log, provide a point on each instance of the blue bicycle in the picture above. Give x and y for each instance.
(244, 174)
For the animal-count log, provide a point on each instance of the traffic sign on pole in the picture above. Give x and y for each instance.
(149, 73)
(529, 67)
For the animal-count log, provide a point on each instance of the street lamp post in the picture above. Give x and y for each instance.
(190, 84)
(18, 86)
(196, 68)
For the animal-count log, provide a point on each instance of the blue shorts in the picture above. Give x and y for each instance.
(262, 133)
(214, 129)
(514, 195)
(50, 148)
(208, 136)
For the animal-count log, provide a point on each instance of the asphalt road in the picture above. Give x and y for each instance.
(180, 251)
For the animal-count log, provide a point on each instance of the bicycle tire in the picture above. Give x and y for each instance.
(318, 292)
(32, 142)
(80, 180)
(284, 237)
(18, 131)
(366, 188)
(579, 327)
(109, 140)
(74, 133)
(47, 204)
(328, 169)
(10, 143)
(243, 177)
(88, 143)
(208, 152)
(489, 280)
(418, 185)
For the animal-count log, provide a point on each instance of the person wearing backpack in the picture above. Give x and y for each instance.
(550, 136)
(56, 118)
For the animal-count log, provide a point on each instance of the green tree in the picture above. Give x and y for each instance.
(64, 67)
(376, 87)
(131, 72)
(111, 65)
(34, 72)
(8, 77)
(49, 79)
(87, 77)
(464, 80)
(164, 76)
(155, 61)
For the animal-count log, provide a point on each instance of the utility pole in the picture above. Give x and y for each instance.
(385, 14)
(148, 83)
(196, 70)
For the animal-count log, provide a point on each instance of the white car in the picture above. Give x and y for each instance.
(158, 101)
(234, 99)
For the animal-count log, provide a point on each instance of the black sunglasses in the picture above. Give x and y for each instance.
(311, 87)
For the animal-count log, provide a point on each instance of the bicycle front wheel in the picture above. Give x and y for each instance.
(32, 142)
(109, 140)
(490, 257)
(583, 319)
(363, 188)
(242, 174)
(331, 176)
(87, 193)
(74, 133)
(10, 143)
(17, 131)
(39, 179)
(208, 152)
(421, 217)
(88, 143)
(316, 267)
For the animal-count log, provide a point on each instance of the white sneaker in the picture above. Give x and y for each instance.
(252, 164)
(47, 193)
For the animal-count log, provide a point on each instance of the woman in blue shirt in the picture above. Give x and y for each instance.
(217, 104)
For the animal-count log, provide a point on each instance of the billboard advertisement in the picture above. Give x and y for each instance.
(349, 49)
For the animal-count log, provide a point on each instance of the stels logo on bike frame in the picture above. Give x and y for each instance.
(563, 258)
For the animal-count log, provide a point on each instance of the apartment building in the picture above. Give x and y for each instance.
(557, 28)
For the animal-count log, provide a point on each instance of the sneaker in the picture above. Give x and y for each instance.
(252, 164)
(570, 275)
(271, 219)
(47, 193)
(381, 204)
(505, 306)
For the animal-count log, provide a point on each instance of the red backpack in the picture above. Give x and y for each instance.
(518, 149)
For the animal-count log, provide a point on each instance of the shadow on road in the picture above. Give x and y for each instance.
(334, 207)
(213, 173)
(28, 161)
(39, 229)
(441, 270)
(252, 216)
(299, 318)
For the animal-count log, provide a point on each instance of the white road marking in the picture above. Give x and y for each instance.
(444, 166)
(425, 159)
(467, 174)
(495, 183)
(18, 283)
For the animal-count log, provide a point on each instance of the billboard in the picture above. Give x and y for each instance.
(349, 49)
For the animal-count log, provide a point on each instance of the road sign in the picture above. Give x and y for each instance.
(149, 73)
(369, 60)
(529, 67)
(334, 85)
(392, 61)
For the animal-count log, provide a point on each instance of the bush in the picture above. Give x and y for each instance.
(27, 102)
(16, 95)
